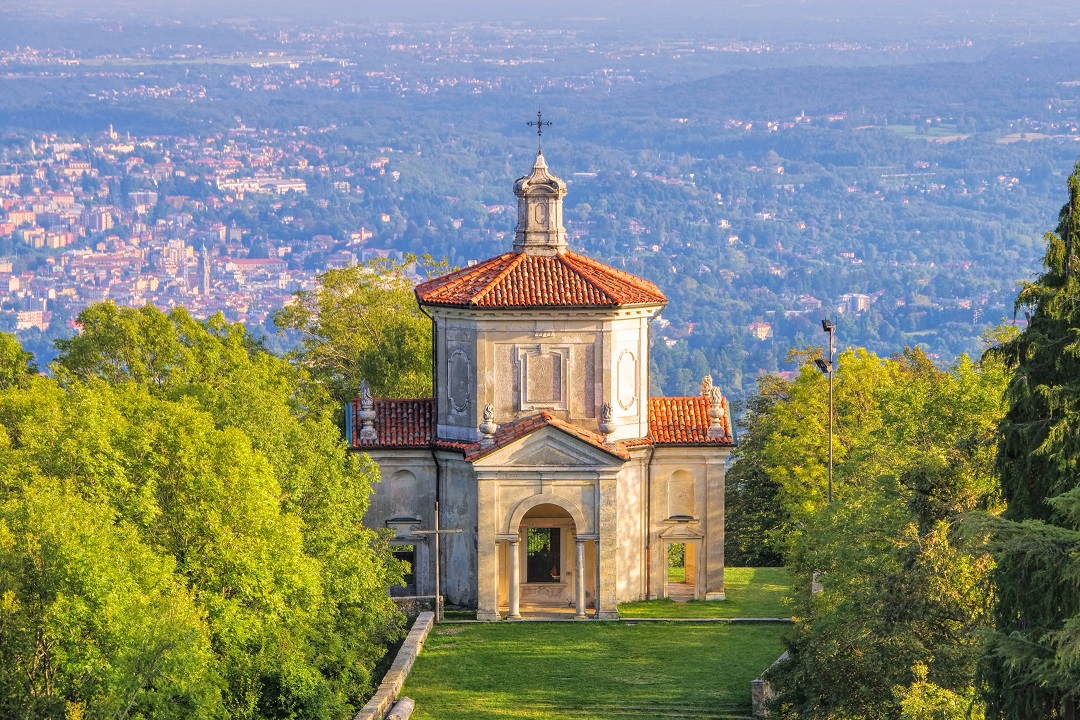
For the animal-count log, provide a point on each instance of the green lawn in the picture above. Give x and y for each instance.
(558, 671)
(750, 592)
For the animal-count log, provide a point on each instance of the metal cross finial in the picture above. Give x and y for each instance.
(539, 125)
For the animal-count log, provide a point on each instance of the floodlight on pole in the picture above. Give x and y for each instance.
(827, 366)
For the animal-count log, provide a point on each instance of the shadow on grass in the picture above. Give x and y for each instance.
(750, 593)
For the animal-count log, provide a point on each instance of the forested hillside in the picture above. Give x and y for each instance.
(763, 184)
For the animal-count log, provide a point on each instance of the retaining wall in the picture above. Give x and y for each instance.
(384, 697)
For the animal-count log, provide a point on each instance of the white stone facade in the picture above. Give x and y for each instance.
(542, 445)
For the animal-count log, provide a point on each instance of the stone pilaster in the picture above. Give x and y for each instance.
(714, 544)
(487, 551)
(607, 560)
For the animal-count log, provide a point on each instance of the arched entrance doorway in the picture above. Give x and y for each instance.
(548, 566)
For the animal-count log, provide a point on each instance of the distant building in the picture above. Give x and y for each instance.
(98, 220)
(854, 303)
(760, 330)
(27, 319)
(204, 272)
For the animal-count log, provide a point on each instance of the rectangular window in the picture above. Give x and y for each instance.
(407, 555)
(543, 565)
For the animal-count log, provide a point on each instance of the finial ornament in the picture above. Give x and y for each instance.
(367, 412)
(488, 427)
(706, 386)
(540, 229)
(607, 419)
(716, 412)
(539, 124)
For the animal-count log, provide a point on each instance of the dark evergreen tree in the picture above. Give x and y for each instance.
(1032, 667)
(754, 515)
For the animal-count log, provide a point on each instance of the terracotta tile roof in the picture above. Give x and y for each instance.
(398, 423)
(412, 423)
(685, 421)
(516, 280)
(521, 427)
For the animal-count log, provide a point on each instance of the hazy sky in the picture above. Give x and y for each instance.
(689, 11)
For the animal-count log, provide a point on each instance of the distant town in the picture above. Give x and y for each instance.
(224, 175)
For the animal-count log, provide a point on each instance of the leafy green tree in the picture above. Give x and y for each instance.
(93, 623)
(1032, 668)
(16, 365)
(164, 423)
(363, 322)
(903, 601)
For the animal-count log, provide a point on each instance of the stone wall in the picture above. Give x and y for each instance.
(381, 702)
(413, 605)
(761, 692)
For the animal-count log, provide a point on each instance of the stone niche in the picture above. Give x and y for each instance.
(543, 377)
(627, 380)
(459, 381)
(681, 491)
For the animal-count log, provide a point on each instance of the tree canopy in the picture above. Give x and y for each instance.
(893, 633)
(1032, 668)
(180, 532)
(363, 322)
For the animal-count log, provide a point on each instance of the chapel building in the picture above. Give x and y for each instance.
(542, 445)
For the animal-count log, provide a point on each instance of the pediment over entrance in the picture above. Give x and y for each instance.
(550, 447)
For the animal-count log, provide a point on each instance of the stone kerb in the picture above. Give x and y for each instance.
(384, 697)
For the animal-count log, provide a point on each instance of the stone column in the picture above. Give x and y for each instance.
(515, 581)
(579, 578)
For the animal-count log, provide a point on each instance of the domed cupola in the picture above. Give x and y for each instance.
(540, 196)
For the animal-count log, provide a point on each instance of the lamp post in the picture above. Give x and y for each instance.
(826, 366)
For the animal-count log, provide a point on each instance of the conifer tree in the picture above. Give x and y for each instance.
(1032, 667)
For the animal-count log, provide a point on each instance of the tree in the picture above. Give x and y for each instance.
(16, 365)
(93, 623)
(1032, 666)
(753, 514)
(160, 423)
(363, 322)
(895, 629)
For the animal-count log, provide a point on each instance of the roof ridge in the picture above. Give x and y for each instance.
(625, 276)
(457, 277)
(590, 281)
(678, 397)
(514, 262)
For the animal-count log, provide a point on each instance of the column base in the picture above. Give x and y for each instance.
(487, 616)
(581, 617)
(609, 615)
(715, 595)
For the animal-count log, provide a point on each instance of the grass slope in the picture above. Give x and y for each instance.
(750, 592)
(559, 671)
